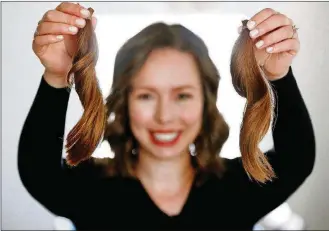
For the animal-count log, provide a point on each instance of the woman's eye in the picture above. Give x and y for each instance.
(144, 96)
(184, 96)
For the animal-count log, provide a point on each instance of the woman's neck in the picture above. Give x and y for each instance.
(168, 175)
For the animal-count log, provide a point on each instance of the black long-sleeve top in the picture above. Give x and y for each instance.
(94, 202)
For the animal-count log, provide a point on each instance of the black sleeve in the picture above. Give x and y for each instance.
(40, 164)
(292, 157)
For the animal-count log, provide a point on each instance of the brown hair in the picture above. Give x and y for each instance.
(246, 78)
(130, 58)
(84, 137)
(249, 82)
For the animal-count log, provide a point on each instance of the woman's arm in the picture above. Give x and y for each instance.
(40, 164)
(292, 157)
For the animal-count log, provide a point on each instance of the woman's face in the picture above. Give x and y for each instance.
(166, 104)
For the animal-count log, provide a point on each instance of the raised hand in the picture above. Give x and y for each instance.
(55, 40)
(276, 42)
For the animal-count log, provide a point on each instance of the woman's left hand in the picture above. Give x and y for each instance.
(278, 39)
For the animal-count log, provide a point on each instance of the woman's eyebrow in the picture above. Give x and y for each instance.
(173, 88)
(184, 87)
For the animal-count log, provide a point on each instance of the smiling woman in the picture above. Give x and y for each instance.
(228, 23)
(166, 134)
(152, 88)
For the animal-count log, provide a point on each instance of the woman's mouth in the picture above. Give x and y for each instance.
(164, 138)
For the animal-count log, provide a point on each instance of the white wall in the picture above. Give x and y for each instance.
(22, 71)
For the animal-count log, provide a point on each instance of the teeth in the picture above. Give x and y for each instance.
(165, 136)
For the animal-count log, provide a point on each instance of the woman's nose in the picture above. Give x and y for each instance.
(165, 112)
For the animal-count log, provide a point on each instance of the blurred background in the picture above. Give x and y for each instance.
(216, 23)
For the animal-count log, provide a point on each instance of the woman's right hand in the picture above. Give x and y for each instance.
(55, 40)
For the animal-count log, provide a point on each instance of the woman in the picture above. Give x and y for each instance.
(158, 184)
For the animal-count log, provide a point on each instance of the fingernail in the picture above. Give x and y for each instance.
(73, 29)
(259, 43)
(253, 33)
(85, 13)
(59, 37)
(269, 49)
(80, 22)
(251, 24)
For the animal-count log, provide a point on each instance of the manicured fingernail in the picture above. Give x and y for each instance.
(85, 13)
(59, 37)
(259, 43)
(251, 25)
(269, 49)
(80, 22)
(73, 29)
(253, 33)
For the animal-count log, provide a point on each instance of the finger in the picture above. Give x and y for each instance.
(55, 28)
(289, 45)
(60, 17)
(270, 24)
(260, 17)
(73, 9)
(47, 39)
(274, 37)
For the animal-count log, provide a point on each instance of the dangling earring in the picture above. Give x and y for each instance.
(111, 117)
(134, 151)
(134, 146)
(192, 149)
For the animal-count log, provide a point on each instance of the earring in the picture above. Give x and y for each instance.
(71, 81)
(192, 149)
(134, 151)
(111, 117)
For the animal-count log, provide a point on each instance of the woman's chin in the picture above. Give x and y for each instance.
(167, 153)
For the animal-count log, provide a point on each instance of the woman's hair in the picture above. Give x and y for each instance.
(249, 82)
(246, 78)
(85, 136)
(129, 60)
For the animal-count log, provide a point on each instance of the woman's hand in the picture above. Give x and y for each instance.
(55, 40)
(278, 40)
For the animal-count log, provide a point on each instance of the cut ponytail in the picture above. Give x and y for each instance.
(249, 82)
(85, 136)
